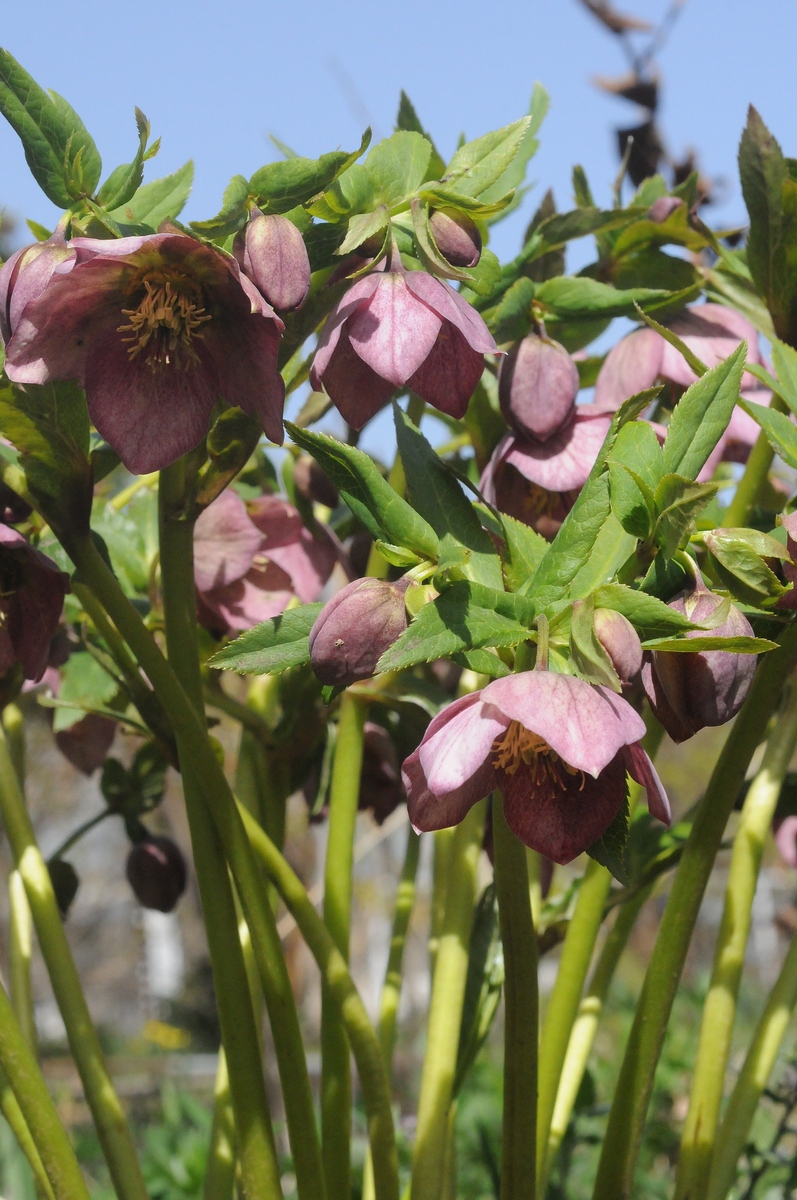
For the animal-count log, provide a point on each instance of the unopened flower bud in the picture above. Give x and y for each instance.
(354, 630)
(537, 387)
(271, 252)
(156, 873)
(64, 879)
(313, 483)
(620, 641)
(457, 237)
(662, 208)
(689, 691)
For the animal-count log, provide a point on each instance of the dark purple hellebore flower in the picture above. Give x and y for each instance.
(355, 628)
(32, 590)
(400, 328)
(86, 743)
(538, 482)
(557, 748)
(157, 329)
(689, 691)
(537, 387)
(250, 561)
(156, 873)
(272, 253)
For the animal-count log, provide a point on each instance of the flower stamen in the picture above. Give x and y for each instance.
(164, 324)
(519, 745)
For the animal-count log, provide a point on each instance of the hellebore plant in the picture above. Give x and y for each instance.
(400, 634)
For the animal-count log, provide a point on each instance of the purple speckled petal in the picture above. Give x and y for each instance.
(586, 725)
(393, 332)
(454, 749)
(225, 542)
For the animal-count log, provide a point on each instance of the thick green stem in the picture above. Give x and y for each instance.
(391, 988)
(755, 472)
(753, 1078)
(220, 1170)
(105, 1108)
(719, 1010)
(335, 974)
(632, 1096)
(586, 1024)
(521, 1011)
(9, 1106)
(445, 1011)
(38, 1110)
(443, 839)
(20, 950)
(257, 1153)
(335, 1054)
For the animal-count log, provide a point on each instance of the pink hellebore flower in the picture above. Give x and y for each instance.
(538, 482)
(32, 590)
(251, 560)
(25, 276)
(400, 328)
(157, 329)
(557, 748)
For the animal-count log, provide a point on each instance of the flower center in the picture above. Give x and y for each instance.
(165, 323)
(520, 745)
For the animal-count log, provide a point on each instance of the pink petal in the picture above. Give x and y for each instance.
(564, 461)
(308, 562)
(586, 725)
(448, 377)
(632, 366)
(357, 391)
(393, 332)
(362, 290)
(264, 592)
(641, 769)
(86, 743)
(448, 304)
(786, 840)
(225, 542)
(245, 360)
(453, 751)
(428, 811)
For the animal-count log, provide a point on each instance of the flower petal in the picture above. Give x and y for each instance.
(262, 593)
(245, 360)
(393, 332)
(641, 769)
(448, 377)
(225, 542)
(564, 461)
(356, 390)
(453, 751)
(632, 366)
(449, 305)
(428, 811)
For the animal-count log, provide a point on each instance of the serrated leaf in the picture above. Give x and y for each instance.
(161, 200)
(515, 173)
(369, 496)
(692, 361)
(281, 186)
(739, 561)
(59, 150)
(632, 501)
(478, 164)
(398, 165)
(779, 429)
(123, 183)
(611, 549)
(271, 647)
(701, 416)
(650, 616)
(695, 645)
(233, 212)
(435, 492)
(763, 172)
(408, 119)
(84, 682)
(363, 226)
(784, 360)
(678, 501)
(524, 551)
(354, 192)
(483, 662)
(573, 296)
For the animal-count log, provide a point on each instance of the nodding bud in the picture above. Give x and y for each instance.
(156, 873)
(537, 387)
(689, 691)
(65, 881)
(353, 631)
(457, 237)
(271, 252)
(662, 208)
(313, 483)
(620, 641)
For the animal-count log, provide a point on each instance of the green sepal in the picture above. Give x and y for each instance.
(271, 647)
(738, 558)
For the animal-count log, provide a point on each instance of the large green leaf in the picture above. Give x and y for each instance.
(702, 415)
(272, 646)
(515, 173)
(779, 429)
(398, 165)
(158, 201)
(281, 186)
(650, 616)
(764, 172)
(477, 165)
(123, 183)
(233, 212)
(571, 296)
(408, 119)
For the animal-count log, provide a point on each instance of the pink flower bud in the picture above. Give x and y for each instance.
(457, 237)
(313, 483)
(689, 691)
(65, 881)
(537, 387)
(661, 209)
(271, 251)
(620, 641)
(156, 873)
(353, 631)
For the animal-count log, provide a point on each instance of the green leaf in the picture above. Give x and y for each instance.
(49, 426)
(272, 646)
(692, 361)
(59, 150)
(464, 617)
(515, 173)
(764, 172)
(478, 164)
(586, 651)
(784, 360)
(571, 296)
(483, 984)
(610, 848)
(233, 213)
(633, 503)
(524, 551)
(409, 119)
(483, 662)
(398, 165)
(695, 645)
(650, 616)
(86, 684)
(370, 497)
(701, 416)
(738, 556)
(363, 226)
(354, 192)
(725, 284)
(557, 230)
(436, 493)
(512, 318)
(779, 430)
(161, 200)
(676, 230)
(612, 547)
(280, 186)
(123, 183)
(678, 501)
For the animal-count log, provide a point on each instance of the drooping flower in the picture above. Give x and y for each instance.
(251, 560)
(271, 250)
(689, 691)
(156, 873)
(86, 743)
(538, 482)
(26, 274)
(32, 590)
(620, 641)
(157, 329)
(355, 628)
(557, 748)
(537, 387)
(400, 328)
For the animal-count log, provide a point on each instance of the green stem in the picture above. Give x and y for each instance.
(445, 1010)
(106, 1110)
(632, 1096)
(335, 974)
(20, 950)
(78, 833)
(335, 1055)
(391, 988)
(755, 472)
(521, 1015)
(377, 565)
(753, 1078)
(586, 1024)
(443, 839)
(38, 1110)
(719, 1010)
(220, 1170)
(257, 1152)
(9, 1106)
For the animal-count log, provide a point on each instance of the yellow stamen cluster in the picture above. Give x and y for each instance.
(520, 745)
(164, 323)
